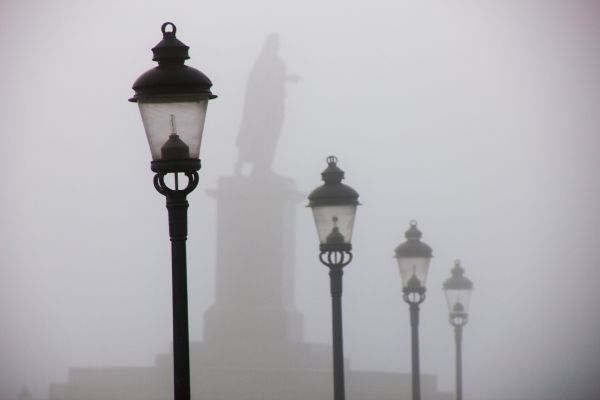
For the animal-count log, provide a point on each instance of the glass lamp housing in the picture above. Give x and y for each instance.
(167, 120)
(413, 266)
(334, 209)
(458, 290)
(334, 223)
(413, 257)
(458, 300)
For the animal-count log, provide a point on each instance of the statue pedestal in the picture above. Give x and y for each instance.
(256, 221)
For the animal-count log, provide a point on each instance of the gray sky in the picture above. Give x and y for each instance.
(478, 119)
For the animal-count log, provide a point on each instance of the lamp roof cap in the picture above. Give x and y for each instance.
(413, 246)
(170, 48)
(171, 80)
(333, 191)
(458, 281)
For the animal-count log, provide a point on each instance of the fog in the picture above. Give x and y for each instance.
(477, 119)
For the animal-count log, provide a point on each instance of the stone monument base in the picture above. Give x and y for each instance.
(295, 372)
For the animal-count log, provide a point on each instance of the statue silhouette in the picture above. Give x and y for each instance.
(263, 115)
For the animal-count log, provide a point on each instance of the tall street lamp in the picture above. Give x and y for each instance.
(413, 258)
(172, 99)
(458, 293)
(334, 208)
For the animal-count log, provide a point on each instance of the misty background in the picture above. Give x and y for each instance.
(478, 119)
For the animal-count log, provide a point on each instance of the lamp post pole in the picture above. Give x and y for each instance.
(413, 258)
(336, 260)
(177, 206)
(414, 295)
(334, 208)
(458, 340)
(172, 99)
(458, 293)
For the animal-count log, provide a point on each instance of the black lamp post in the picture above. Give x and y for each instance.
(172, 98)
(413, 258)
(458, 293)
(334, 208)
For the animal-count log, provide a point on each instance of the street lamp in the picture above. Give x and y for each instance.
(334, 208)
(458, 293)
(172, 99)
(413, 258)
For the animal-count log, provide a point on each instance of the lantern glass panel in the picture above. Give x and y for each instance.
(409, 266)
(454, 296)
(182, 118)
(340, 216)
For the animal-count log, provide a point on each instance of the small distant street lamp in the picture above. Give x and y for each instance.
(172, 99)
(334, 208)
(413, 258)
(458, 293)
